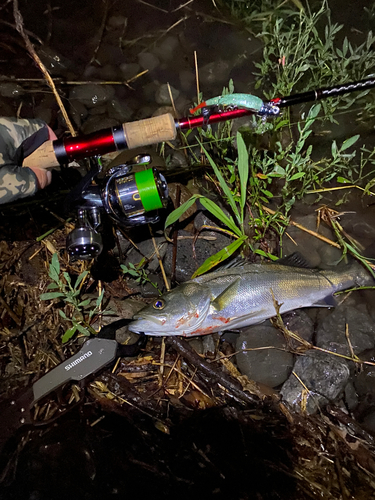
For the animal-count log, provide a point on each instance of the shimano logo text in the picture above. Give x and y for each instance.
(78, 360)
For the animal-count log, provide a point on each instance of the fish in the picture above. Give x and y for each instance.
(245, 295)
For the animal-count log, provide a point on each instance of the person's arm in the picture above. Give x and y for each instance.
(18, 139)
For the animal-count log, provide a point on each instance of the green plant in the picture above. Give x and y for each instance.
(139, 274)
(70, 295)
(236, 199)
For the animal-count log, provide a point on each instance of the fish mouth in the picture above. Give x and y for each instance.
(146, 324)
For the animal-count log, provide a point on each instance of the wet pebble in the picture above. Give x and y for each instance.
(300, 323)
(167, 49)
(361, 328)
(187, 80)
(92, 95)
(324, 375)
(78, 112)
(10, 89)
(148, 61)
(214, 72)
(162, 95)
(128, 70)
(98, 122)
(270, 366)
(57, 64)
(119, 110)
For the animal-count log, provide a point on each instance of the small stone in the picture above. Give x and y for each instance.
(117, 22)
(215, 72)
(324, 375)
(187, 80)
(270, 366)
(162, 95)
(129, 70)
(92, 95)
(148, 61)
(78, 112)
(300, 323)
(361, 328)
(9, 89)
(119, 110)
(167, 49)
(98, 122)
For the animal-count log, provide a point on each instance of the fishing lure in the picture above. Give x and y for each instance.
(242, 101)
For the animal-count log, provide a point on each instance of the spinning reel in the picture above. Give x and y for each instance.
(130, 199)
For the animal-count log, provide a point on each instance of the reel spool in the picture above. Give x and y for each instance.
(130, 199)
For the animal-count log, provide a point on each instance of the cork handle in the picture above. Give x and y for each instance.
(150, 131)
(43, 157)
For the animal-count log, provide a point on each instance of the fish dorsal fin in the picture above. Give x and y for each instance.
(295, 259)
(226, 296)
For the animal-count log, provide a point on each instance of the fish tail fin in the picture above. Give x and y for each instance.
(200, 106)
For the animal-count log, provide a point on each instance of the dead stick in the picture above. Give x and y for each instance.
(233, 387)
(303, 228)
(13, 315)
(20, 28)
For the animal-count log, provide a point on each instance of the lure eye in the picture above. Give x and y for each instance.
(159, 304)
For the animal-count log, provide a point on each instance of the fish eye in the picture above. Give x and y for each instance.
(159, 304)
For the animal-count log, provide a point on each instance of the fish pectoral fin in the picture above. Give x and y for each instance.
(226, 296)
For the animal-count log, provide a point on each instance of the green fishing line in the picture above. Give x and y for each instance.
(148, 190)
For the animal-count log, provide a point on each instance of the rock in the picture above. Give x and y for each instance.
(119, 110)
(162, 95)
(197, 344)
(78, 112)
(117, 22)
(153, 287)
(350, 396)
(368, 422)
(215, 72)
(98, 122)
(331, 332)
(162, 110)
(129, 70)
(148, 61)
(167, 49)
(92, 95)
(324, 375)
(299, 322)
(270, 366)
(176, 159)
(146, 249)
(56, 64)
(209, 345)
(10, 89)
(187, 80)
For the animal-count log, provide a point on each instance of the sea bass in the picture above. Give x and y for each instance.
(242, 296)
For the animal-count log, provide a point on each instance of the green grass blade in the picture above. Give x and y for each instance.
(219, 214)
(220, 256)
(176, 214)
(243, 170)
(223, 184)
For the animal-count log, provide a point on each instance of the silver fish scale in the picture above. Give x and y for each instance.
(251, 295)
(242, 296)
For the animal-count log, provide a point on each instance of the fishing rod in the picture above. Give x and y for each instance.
(164, 128)
(132, 199)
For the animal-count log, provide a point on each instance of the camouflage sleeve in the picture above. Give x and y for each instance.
(17, 181)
